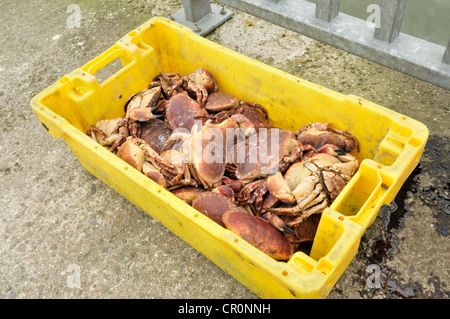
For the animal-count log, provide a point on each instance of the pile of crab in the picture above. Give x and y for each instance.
(222, 156)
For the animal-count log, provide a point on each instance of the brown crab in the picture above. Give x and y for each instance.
(182, 112)
(317, 134)
(214, 205)
(155, 132)
(139, 106)
(110, 133)
(223, 105)
(258, 233)
(188, 193)
(198, 84)
(310, 186)
(259, 156)
(180, 174)
(141, 156)
(264, 153)
(203, 152)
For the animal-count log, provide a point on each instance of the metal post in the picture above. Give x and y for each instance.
(327, 9)
(446, 58)
(201, 16)
(194, 10)
(392, 12)
(409, 54)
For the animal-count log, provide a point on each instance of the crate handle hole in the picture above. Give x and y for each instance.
(109, 70)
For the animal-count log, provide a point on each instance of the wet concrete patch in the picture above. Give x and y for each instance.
(433, 193)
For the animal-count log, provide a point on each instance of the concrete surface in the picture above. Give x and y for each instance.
(64, 234)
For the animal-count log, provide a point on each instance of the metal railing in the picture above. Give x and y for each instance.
(385, 44)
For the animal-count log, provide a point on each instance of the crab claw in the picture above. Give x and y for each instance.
(279, 188)
(331, 149)
(143, 115)
(151, 172)
(132, 154)
(259, 233)
(277, 222)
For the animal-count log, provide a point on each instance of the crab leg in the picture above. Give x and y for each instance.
(313, 210)
(305, 192)
(256, 106)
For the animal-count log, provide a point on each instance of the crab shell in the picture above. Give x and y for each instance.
(205, 168)
(318, 134)
(214, 205)
(156, 133)
(132, 154)
(220, 101)
(256, 117)
(182, 111)
(188, 193)
(206, 153)
(262, 157)
(305, 231)
(259, 233)
(203, 77)
(139, 106)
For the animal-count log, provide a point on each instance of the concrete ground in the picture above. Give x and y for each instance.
(65, 234)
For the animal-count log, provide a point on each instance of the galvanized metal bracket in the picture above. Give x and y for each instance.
(201, 16)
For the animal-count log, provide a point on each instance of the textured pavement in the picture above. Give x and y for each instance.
(65, 234)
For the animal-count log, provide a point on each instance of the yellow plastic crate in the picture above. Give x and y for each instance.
(390, 147)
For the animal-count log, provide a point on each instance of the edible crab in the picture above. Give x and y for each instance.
(182, 112)
(214, 205)
(317, 135)
(110, 133)
(198, 84)
(255, 159)
(141, 156)
(222, 156)
(259, 233)
(224, 105)
(310, 186)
